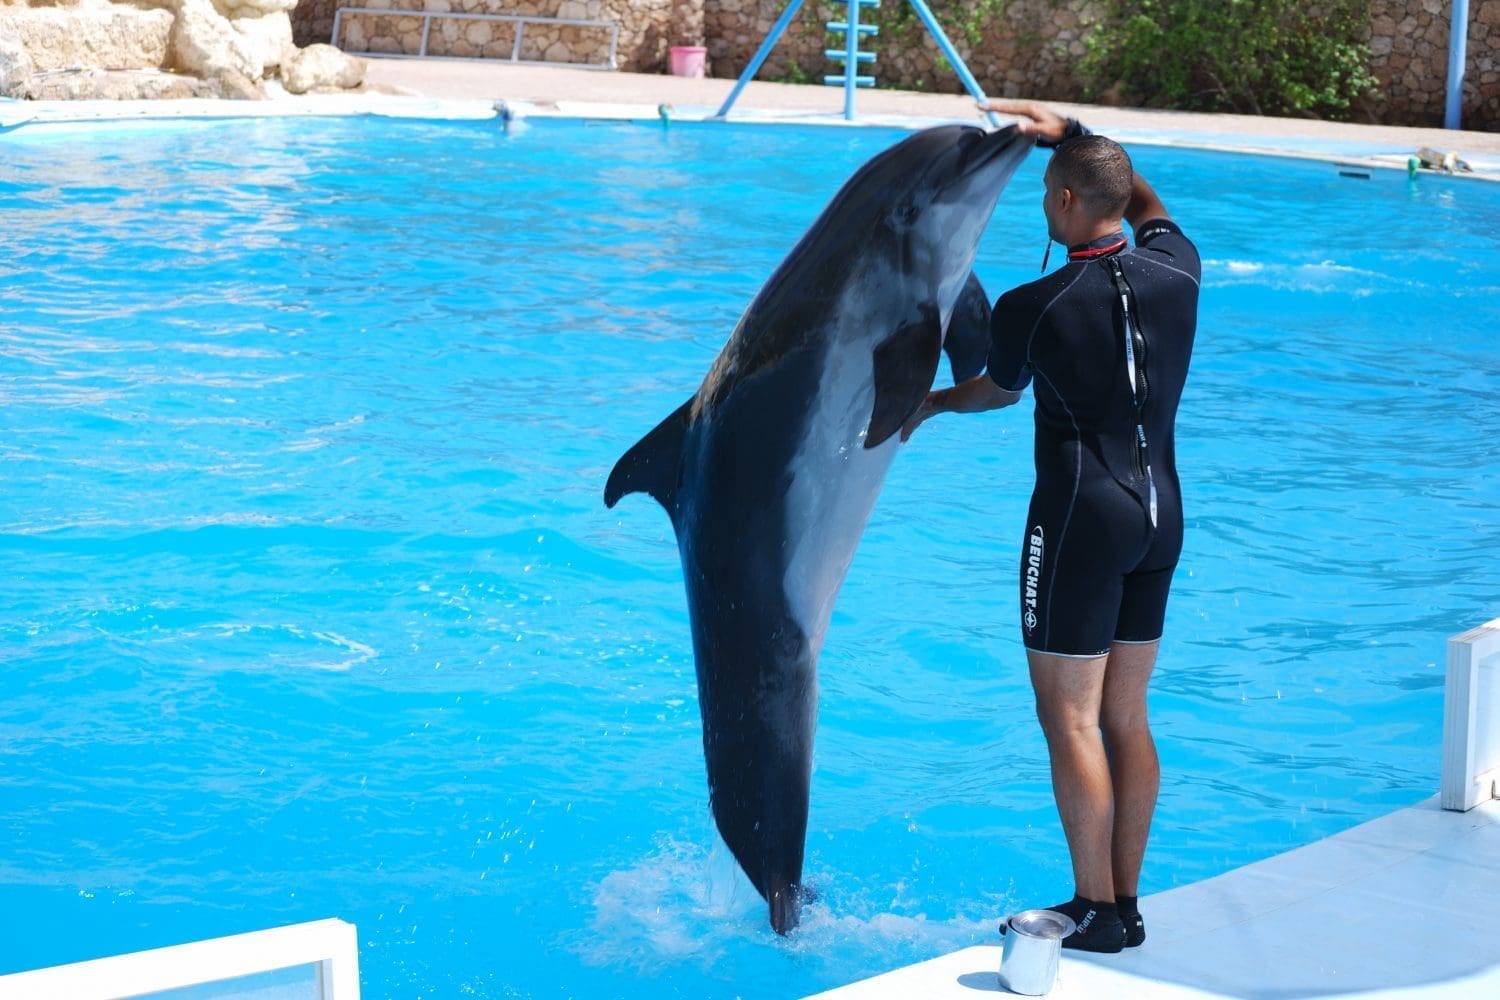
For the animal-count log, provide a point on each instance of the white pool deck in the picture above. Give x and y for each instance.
(1407, 905)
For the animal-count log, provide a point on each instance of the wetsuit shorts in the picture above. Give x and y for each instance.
(1093, 570)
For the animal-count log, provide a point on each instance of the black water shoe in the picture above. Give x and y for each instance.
(1100, 928)
(1130, 914)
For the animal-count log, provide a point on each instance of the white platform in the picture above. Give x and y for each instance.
(1407, 906)
(327, 951)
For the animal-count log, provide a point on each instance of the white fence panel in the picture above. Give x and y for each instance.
(1471, 719)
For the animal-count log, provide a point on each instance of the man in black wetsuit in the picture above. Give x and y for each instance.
(1105, 343)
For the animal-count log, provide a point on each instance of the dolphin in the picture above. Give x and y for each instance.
(770, 471)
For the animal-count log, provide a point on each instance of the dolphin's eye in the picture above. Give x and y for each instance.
(908, 212)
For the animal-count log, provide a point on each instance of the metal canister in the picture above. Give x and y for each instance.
(1033, 949)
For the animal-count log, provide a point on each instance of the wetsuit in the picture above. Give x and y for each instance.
(1096, 564)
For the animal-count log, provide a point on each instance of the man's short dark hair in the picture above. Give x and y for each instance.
(1098, 170)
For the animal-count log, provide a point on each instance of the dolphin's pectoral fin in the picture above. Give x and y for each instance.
(905, 363)
(653, 464)
(967, 341)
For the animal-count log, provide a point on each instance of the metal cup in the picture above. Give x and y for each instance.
(1033, 949)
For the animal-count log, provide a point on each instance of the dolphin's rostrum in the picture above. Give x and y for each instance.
(770, 471)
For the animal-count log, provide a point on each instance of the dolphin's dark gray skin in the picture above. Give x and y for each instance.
(770, 471)
(967, 341)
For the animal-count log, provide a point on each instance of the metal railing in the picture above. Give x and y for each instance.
(519, 20)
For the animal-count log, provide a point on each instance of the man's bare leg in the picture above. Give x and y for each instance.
(1069, 692)
(1134, 770)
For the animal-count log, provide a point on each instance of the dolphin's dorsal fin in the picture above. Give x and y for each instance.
(652, 465)
(905, 363)
(967, 341)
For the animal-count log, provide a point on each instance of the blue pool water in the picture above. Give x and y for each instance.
(311, 607)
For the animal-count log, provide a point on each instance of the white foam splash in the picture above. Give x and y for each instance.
(283, 645)
(685, 903)
(1320, 276)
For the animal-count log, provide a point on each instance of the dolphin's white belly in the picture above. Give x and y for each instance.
(835, 480)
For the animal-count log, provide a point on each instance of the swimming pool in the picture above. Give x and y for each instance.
(312, 607)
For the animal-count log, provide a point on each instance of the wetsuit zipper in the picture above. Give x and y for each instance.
(1143, 392)
(1135, 360)
(1143, 385)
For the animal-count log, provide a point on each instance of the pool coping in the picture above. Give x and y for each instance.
(399, 91)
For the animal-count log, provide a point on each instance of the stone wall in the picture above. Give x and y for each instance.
(1409, 41)
(1030, 50)
(645, 29)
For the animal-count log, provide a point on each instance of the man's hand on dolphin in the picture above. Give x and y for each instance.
(1036, 119)
(925, 410)
(976, 395)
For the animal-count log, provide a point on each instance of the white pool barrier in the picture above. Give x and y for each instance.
(1471, 719)
(327, 949)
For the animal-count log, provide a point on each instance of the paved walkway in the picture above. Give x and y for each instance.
(547, 87)
(472, 88)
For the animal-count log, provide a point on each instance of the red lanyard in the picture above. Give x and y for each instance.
(1089, 253)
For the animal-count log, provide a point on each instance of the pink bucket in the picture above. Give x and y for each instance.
(687, 60)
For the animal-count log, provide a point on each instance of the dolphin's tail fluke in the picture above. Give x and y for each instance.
(766, 838)
(785, 901)
(758, 750)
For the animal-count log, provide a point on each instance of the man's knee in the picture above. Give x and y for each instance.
(1067, 723)
(1125, 721)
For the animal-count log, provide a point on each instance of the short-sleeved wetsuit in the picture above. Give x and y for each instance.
(1096, 565)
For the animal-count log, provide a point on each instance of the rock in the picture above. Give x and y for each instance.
(106, 36)
(15, 68)
(236, 87)
(103, 85)
(256, 8)
(267, 39)
(205, 43)
(321, 67)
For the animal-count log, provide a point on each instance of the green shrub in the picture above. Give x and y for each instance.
(1261, 57)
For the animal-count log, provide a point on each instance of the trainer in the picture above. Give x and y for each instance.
(1105, 342)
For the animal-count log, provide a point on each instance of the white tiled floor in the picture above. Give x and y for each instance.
(1404, 906)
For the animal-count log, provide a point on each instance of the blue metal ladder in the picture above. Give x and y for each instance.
(852, 57)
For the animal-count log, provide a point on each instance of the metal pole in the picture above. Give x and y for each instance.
(1458, 39)
(760, 55)
(851, 59)
(952, 55)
